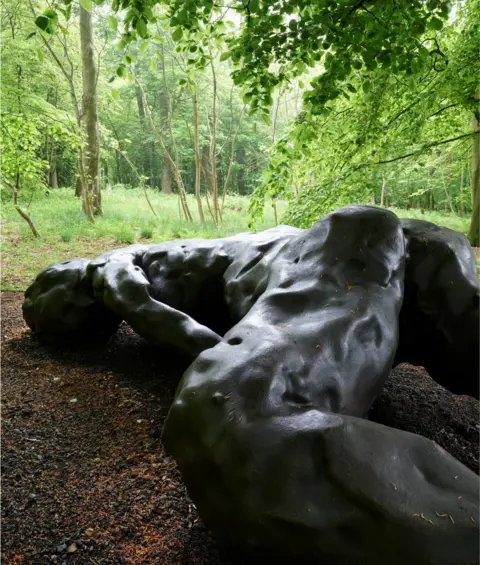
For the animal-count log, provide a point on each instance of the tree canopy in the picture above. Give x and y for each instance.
(319, 103)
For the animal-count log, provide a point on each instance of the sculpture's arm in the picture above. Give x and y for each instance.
(125, 290)
(363, 478)
(337, 488)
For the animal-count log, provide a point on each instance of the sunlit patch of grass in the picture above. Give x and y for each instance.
(146, 232)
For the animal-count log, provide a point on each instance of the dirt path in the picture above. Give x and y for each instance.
(85, 479)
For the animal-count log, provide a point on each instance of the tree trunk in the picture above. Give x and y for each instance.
(166, 177)
(462, 203)
(92, 199)
(428, 200)
(213, 147)
(52, 172)
(78, 186)
(241, 158)
(447, 195)
(141, 108)
(230, 162)
(15, 188)
(383, 196)
(206, 168)
(196, 150)
(473, 234)
(166, 173)
(153, 176)
(146, 153)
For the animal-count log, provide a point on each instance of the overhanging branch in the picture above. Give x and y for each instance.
(426, 146)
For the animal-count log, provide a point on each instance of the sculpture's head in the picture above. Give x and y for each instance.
(60, 308)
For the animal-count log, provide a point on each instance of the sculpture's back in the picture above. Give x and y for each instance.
(263, 425)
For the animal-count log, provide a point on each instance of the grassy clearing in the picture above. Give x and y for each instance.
(449, 220)
(127, 219)
(66, 233)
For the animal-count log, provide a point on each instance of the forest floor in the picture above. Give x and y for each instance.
(85, 477)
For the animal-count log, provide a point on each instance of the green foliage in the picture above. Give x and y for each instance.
(29, 116)
(412, 134)
(354, 95)
(273, 46)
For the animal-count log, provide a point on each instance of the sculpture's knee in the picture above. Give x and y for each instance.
(59, 306)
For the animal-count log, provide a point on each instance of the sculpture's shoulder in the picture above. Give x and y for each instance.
(448, 250)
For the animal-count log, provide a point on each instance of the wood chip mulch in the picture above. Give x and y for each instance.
(84, 477)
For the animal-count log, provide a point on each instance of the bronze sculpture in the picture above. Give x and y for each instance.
(292, 334)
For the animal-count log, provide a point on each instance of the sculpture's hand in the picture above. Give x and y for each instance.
(125, 290)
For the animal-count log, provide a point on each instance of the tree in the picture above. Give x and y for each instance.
(85, 108)
(412, 130)
(273, 43)
(91, 163)
(29, 118)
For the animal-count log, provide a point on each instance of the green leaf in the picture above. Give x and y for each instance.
(177, 34)
(182, 81)
(182, 16)
(435, 24)
(266, 119)
(31, 34)
(111, 79)
(158, 55)
(51, 15)
(115, 95)
(254, 127)
(253, 6)
(42, 22)
(40, 55)
(142, 28)
(153, 65)
(366, 86)
(226, 55)
(121, 71)
(143, 47)
(87, 5)
(113, 23)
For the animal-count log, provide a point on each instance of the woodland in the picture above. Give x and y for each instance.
(141, 121)
(308, 106)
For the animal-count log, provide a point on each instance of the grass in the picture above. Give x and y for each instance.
(447, 219)
(66, 233)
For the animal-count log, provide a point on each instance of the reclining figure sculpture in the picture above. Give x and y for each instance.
(292, 334)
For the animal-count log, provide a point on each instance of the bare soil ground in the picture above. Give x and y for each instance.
(85, 478)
